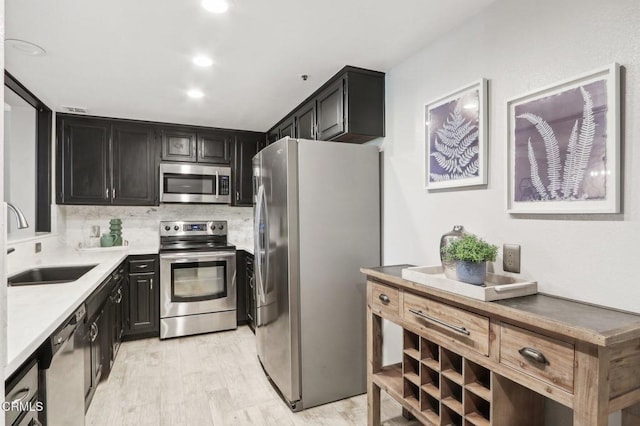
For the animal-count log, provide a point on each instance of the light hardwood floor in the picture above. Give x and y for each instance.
(211, 379)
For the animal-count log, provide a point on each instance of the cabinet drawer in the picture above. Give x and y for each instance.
(453, 324)
(143, 265)
(542, 357)
(385, 299)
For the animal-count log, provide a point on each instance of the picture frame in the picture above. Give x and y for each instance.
(456, 138)
(564, 146)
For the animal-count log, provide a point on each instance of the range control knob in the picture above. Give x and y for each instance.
(220, 227)
(167, 227)
(213, 226)
(176, 228)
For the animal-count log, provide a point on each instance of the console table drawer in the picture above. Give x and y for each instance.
(385, 299)
(453, 324)
(542, 357)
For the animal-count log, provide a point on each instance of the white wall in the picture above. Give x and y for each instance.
(20, 157)
(519, 46)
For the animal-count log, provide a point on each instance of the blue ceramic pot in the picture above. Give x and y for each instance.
(471, 272)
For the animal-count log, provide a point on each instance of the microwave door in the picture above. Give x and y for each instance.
(180, 183)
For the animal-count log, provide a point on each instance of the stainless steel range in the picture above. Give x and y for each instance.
(197, 278)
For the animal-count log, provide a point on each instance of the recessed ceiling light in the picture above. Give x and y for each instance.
(215, 6)
(25, 47)
(195, 93)
(202, 61)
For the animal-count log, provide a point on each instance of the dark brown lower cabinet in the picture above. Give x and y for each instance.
(142, 298)
(245, 284)
(93, 355)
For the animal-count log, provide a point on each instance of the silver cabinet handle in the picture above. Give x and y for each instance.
(114, 193)
(94, 332)
(384, 298)
(237, 195)
(143, 265)
(421, 314)
(106, 192)
(151, 284)
(533, 355)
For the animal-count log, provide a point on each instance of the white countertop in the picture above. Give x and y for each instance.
(246, 247)
(35, 312)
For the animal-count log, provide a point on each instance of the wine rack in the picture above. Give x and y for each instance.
(442, 386)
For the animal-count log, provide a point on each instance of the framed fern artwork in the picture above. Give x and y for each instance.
(564, 146)
(456, 138)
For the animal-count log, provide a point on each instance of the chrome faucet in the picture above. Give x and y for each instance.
(22, 221)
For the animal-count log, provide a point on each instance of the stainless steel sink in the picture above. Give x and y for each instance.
(50, 275)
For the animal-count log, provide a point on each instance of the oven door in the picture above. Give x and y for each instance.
(190, 183)
(197, 282)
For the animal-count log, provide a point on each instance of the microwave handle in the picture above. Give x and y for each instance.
(217, 185)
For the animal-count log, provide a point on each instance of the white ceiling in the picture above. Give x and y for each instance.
(132, 58)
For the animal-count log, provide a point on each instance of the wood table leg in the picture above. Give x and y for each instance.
(374, 364)
(591, 386)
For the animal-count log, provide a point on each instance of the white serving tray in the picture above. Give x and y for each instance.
(496, 287)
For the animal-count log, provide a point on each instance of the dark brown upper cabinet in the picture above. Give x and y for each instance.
(246, 145)
(134, 165)
(349, 107)
(214, 147)
(273, 135)
(83, 166)
(196, 145)
(104, 161)
(178, 145)
(306, 121)
(331, 119)
(287, 128)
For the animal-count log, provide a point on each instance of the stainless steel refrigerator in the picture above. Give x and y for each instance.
(316, 222)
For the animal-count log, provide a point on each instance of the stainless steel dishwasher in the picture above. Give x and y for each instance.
(62, 364)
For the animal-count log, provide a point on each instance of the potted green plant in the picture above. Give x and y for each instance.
(471, 255)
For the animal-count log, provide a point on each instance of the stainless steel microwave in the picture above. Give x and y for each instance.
(194, 183)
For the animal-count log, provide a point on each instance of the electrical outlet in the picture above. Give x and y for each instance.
(511, 258)
(38, 247)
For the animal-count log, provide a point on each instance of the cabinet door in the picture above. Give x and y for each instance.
(143, 312)
(288, 128)
(251, 292)
(178, 145)
(214, 147)
(306, 121)
(331, 120)
(84, 161)
(245, 147)
(241, 287)
(134, 165)
(272, 136)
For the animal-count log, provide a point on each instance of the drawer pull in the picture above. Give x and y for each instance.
(384, 298)
(437, 321)
(533, 355)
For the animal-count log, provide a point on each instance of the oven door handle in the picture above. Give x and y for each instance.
(197, 258)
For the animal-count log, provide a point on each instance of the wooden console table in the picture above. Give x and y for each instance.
(468, 362)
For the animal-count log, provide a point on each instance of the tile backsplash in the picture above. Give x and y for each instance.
(140, 225)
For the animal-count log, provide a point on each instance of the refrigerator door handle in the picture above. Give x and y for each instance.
(260, 267)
